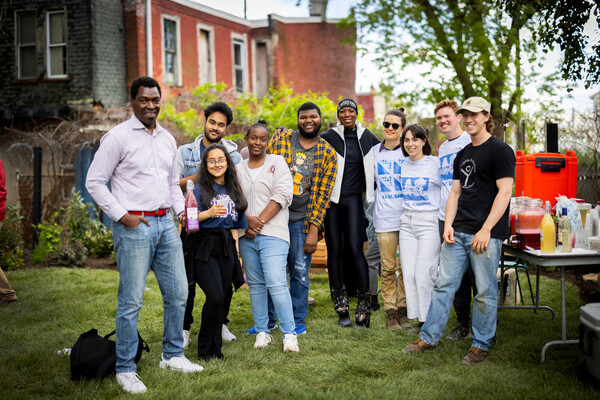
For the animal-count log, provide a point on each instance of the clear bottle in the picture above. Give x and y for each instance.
(547, 235)
(191, 207)
(564, 233)
(66, 352)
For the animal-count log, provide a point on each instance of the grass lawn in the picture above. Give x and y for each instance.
(56, 305)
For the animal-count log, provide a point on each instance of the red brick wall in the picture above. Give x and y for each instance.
(135, 36)
(310, 56)
(366, 101)
(135, 39)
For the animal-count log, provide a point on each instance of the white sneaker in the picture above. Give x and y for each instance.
(186, 339)
(262, 340)
(180, 363)
(131, 382)
(290, 343)
(226, 334)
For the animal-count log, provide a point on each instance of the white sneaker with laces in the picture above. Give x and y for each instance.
(290, 343)
(131, 382)
(226, 334)
(180, 363)
(262, 340)
(186, 339)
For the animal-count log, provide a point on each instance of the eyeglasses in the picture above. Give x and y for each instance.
(220, 161)
(387, 125)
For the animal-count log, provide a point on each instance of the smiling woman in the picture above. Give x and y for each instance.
(267, 183)
(419, 232)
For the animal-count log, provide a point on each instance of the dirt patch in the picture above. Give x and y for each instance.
(90, 262)
(574, 275)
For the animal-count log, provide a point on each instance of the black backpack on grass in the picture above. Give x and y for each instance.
(94, 356)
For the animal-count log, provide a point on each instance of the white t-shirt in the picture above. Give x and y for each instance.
(421, 184)
(447, 154)
(388, 194)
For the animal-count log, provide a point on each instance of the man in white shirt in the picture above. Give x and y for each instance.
(448, 122)
(138, 157)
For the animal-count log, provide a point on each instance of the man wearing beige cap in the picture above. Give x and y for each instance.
(476, 223)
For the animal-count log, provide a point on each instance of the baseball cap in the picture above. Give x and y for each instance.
(475, 104)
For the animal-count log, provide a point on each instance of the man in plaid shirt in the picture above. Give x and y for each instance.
(313, 164)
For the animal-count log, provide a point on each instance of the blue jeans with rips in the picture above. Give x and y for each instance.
(264, 262)
(454, 261)
(298, 264)
(138, 250)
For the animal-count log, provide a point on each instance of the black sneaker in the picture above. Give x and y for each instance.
(460, 332)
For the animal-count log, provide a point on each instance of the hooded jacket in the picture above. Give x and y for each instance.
(366, 142)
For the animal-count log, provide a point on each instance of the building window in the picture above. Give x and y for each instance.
(56, 44)
(171, 50)
(26, 45)
(240, 67)
(206, 54)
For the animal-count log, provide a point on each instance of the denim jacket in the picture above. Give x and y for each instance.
(189, 155)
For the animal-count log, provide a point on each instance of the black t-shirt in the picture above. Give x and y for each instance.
(354, 172)
(478, 168)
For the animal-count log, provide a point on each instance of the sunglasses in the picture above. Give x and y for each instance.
(394, 125)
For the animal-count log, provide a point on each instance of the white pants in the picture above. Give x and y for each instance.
(420, 256)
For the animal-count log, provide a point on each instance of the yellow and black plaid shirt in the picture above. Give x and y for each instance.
(323, 177)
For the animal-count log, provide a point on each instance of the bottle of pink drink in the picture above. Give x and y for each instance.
(191, 207)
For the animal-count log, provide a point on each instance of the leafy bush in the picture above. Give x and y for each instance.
(70, 253)
(98, 239)
(279, 108)
(11, 242)
(82, 235)
(49, 239)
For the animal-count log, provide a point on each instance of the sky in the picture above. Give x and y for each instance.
(367, 73)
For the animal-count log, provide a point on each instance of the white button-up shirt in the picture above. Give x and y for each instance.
(141, 168)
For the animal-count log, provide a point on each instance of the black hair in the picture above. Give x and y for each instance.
(232, 184)
(398, 112)
(308, 106)
(144, 81)
(221, 107)
(418, 132)
(261, 123)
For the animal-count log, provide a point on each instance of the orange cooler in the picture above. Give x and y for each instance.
(545, 176)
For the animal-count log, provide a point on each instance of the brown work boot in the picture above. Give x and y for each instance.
(391, 320)
(475, 356)
(403, 318)
(418, 346)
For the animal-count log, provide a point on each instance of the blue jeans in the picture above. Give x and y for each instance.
(264, 262)
(298, 265)
(454, 261)
(140, 249)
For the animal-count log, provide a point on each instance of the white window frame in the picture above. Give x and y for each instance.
(243, 41)
(255, 44)
(49, 46)
(178, 81)
(211, 43)
(19, 45)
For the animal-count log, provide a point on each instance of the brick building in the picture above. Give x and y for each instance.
(193, 44)
(61, 53)
(61, 56)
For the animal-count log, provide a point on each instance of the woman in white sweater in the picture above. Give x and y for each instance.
(267, 184)
(419, 236)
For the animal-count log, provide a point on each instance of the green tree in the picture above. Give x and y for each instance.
(462, 48)
(561, 22)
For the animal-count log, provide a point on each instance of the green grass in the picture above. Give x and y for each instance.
(56, 305)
